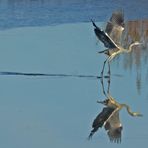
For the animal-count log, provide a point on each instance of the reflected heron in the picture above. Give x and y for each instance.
(111, 38)
(109, 117)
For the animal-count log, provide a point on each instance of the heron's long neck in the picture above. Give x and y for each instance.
(131, 47)
(128, 109)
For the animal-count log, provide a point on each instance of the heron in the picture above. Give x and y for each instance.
(109, 117)
(111, 36)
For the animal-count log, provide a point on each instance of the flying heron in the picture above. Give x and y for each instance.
(111, 36)
(109, 117)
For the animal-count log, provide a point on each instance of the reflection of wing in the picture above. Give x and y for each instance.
(100, 119)
(115, 26)
(103, 37)
(114, 127)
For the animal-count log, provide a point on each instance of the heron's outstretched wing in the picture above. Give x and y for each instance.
(115, 26)
(114, 127)
(103, 37)
(117, 19)
(100, 119)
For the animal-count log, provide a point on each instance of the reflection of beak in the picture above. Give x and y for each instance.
(139, 115)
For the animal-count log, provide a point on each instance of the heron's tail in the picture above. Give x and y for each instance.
(92, 133)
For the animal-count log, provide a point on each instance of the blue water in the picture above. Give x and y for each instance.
(58, 111)
(50, 110)
(16, 13)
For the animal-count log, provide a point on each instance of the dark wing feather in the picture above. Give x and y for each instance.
(100, 119)
(103, 37)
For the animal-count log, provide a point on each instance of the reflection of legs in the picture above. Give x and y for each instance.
(109, 72)
(102, 83)
(103, 68)
(108, 89)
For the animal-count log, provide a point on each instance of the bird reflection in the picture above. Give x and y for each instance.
(111, 38)
(109, 117)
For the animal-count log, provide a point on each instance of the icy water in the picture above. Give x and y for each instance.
(48, 79)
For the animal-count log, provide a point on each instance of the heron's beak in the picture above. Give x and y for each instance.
(141, 43)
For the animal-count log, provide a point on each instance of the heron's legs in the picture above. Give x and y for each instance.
(106, 93)
(109, 60)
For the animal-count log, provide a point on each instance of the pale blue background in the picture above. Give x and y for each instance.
(58, 112)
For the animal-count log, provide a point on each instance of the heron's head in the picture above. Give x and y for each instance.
(136, 43)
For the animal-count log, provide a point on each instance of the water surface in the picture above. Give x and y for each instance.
(58, 112)
(47, 98)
